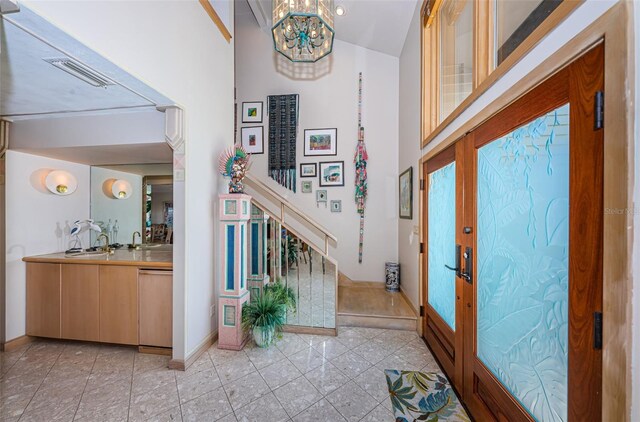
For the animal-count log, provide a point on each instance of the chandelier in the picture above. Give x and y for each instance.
(303, 29)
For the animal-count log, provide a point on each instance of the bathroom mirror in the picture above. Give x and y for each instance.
(133, 198)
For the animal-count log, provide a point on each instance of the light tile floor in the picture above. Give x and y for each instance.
(300, 378)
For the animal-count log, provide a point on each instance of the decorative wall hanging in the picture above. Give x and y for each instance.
(283, 130)
(360, 161)
(319, 142)
(252, 112)
(253, 139)
(303, 30)
(405, 189)
(306, 186)
(332, 173)
(321, 197)
(336, 205)
(234, 163)
(308, 170)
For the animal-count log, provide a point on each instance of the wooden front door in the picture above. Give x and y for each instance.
(529, 231)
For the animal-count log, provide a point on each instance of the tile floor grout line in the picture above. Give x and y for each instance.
(133, 368)
(85, 387)
(39, 386)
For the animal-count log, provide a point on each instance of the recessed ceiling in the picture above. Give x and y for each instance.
(31, 86)
(379, 25)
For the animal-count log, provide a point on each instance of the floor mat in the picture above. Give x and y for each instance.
(423, 396)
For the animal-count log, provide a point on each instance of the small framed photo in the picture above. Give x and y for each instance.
(308, 170)
(321, 196)
(336, 205)
(253, 139)
(307, 186)
(252, 112)
(332, 173)
(406, 194)
(318, 142)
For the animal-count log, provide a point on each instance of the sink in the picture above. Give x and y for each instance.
(85, 254)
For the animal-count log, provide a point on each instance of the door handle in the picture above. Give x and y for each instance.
(457, 267)
(468, 265)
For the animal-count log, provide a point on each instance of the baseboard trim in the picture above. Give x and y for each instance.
(345, 281)
(183, 365)
(152, 350)
(16, 343)
(297, 329)
(406, 299)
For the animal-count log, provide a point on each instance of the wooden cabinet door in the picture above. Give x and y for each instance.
(155, 290)
(118, 304)
(43, 300)
(80, 302)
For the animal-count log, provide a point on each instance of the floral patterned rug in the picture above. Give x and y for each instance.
(423, 396)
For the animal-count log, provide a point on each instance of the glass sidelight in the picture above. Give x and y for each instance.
(523, 262)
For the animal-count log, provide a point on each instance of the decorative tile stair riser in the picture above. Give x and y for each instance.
(423, 396)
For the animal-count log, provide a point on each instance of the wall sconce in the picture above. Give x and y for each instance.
(60, 182)
(121, 189)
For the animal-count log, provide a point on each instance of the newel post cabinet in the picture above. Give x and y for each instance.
(235, 212)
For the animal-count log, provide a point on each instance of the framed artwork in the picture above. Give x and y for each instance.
(252, 112)
(406, 194)
(307, 186)
(332, 173)
(308, 170)
(336, 205)
(321, 196)
(253, 139)
(319, 142)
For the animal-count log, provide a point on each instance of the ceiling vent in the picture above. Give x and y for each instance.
(80, 71)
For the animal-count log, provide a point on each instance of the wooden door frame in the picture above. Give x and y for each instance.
(614, 26)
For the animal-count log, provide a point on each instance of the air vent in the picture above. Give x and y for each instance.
(80, 71)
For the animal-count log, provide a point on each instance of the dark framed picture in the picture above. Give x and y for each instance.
(331, 173)
(319, 142)
(308, 170)
(406, 194)
(252, 112)
(253, 139)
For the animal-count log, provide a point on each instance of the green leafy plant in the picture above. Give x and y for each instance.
(284, 293)
(267, 312)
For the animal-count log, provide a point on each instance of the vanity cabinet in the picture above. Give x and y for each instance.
(118, 304)
(43, 300)
(155, 290)
(80, 305)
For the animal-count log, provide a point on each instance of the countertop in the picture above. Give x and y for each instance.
(155, 257)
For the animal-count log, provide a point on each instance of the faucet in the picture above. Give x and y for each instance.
(133, 241)
(106, 247)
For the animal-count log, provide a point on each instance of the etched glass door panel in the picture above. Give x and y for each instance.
(441, 211)
(522, 262)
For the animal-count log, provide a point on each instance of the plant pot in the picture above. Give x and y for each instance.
(261, 337)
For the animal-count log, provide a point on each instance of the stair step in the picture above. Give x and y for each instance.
(376, 321)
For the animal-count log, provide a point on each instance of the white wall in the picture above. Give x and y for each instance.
(409, 154)
(329, 100)
(104, 207)
(175, 48)
(37, 222)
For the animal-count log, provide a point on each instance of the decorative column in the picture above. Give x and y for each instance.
(258, 277)
(234, 216)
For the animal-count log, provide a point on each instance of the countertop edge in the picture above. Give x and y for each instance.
(89, 261)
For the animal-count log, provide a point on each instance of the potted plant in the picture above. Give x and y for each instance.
(285, 294)
(264, 317)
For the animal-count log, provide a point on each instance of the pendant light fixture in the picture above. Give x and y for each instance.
(303, 29)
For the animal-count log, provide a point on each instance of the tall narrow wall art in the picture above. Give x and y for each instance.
(283, 130)
(360, 161)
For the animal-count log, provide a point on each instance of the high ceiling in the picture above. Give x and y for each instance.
(30, 86)
(379, 25)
